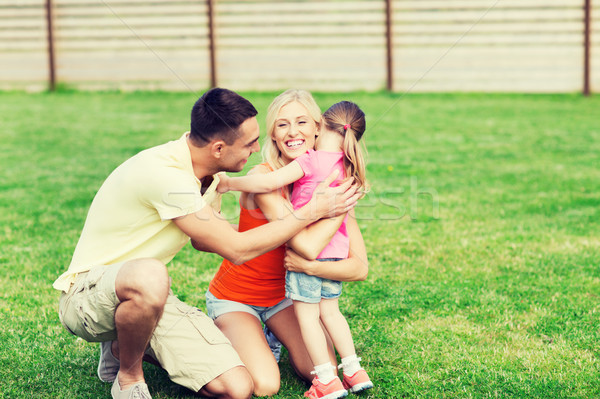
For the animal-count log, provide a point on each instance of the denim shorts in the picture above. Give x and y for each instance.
(216, 307)
(311, 289)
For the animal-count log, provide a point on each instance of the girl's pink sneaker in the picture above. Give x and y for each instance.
(333, 390)
(358, 382)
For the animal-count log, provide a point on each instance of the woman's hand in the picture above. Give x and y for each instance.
(296, 263)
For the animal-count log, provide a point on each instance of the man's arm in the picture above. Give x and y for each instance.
(210, 232)
(198, 245)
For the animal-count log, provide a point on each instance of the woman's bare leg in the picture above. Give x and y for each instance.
(246, 335)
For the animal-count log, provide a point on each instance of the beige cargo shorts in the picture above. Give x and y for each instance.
(186, 342)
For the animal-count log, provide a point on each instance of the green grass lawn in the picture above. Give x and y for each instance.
(482, 231)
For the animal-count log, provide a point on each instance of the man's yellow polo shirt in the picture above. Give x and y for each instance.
(131, 215)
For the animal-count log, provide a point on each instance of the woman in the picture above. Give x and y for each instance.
(240, 296)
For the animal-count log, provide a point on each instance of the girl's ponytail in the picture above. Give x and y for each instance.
(348, 119)
(354, 161)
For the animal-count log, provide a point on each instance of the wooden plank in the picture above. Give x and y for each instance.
(492, 15)
(135, 52)
(305, 82)
(198, 85)
(130, 73)
(342, 20)
(116, 3)
(498, 85)
(317, 41)
(79, 59)
(470, 4)
(38, 33)
(551, 39)
(133, 21)
(23, 73)
(120, 65)
(253, 74)
(126, 10)
(293, 55)
(22, 23)
(486, 51)
(131, 43)
(123, 31)
(481, 74)
(527, 64)
(473, 55)
(484, 27)
(296, 30)
(295, 7)
(21, 12)
(25, 62)
(24, 46)
(22, 4)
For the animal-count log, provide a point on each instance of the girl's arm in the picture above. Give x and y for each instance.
(314, 238)
(262, 183)
(354, 268)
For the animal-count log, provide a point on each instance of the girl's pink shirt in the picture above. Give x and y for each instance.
(317, 165)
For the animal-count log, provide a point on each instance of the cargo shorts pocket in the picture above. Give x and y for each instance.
(88, 310)
(203, 324)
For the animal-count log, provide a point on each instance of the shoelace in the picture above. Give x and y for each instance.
(140, 392)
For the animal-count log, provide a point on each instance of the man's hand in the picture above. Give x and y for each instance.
(333, 201)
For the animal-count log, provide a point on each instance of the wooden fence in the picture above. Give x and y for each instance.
(341, 45)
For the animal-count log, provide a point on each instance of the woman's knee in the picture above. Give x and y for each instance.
(235, 383)
(266, 387)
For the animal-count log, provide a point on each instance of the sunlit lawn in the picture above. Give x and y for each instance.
(482, 231)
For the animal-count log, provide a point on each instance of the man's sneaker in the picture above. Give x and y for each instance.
(108, 366)
(333, 390)
(358, 382)
(137, 391)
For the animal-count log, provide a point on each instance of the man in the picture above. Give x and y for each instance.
(117, 290)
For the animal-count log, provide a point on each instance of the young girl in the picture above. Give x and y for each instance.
(316, 299)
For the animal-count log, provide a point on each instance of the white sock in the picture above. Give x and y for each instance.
(350, 365)
(325, 373)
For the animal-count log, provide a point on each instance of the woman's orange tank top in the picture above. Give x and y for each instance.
(259, 281)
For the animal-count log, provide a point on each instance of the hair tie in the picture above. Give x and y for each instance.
(346, 127)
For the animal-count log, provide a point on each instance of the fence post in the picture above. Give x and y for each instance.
(586, 48)
(50, 34)
(211, 43)
(389, 47)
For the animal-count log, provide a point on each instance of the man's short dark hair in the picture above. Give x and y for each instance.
(218, 114)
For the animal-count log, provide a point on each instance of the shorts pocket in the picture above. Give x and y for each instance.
(87, 312)
(202, 323)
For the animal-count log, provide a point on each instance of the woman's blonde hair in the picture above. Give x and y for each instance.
(270, 152)
(348, 119)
